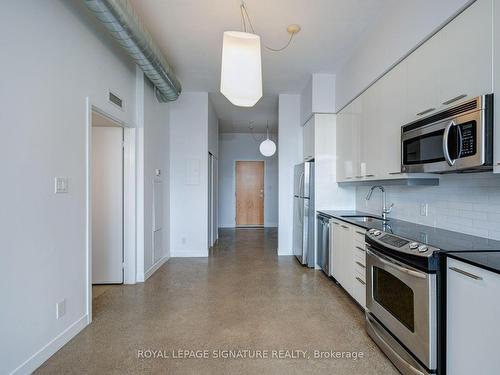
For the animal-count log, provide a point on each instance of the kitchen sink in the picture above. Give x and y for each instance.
(366, 219)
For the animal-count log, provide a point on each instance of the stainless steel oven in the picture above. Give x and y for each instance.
(401, 306)
(456, 139)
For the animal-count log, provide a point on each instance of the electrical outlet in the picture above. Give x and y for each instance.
(424, 209)
(60, 185)
(60, 309)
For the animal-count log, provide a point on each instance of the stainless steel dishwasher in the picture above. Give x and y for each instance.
(324, 243)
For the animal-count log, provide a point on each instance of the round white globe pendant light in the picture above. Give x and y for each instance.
(267, 147)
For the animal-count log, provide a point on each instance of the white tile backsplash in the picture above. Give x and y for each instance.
(467, 203)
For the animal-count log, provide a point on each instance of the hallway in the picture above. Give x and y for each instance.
(242, 297)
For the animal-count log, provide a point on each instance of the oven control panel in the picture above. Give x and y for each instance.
(401, 244)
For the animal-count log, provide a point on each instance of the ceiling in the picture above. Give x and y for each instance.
(189, 33)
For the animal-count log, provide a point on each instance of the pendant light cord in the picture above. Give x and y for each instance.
(245, 17)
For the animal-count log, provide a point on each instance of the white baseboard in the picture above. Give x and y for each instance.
(226, 225)
(37, 359)
(280, 252)
(189, 254)
(155, 267)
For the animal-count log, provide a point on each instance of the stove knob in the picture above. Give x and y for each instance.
(422, 249)
(377, 233)
(414, 245)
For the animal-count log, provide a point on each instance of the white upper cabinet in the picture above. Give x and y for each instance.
(455, 64)
(308, 139)
(423, 70)
(394, 85)
(465, 71)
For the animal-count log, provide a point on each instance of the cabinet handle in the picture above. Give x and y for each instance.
(360, 248)
(360, 264)
(452, 100)
(426, 111)
(369, 175)
(361, 281)
(358, 176)
(345, 226)
(361, 233)
(336, 223)
(498, 163)
(394, 173)
(465, 273)
(348, 178)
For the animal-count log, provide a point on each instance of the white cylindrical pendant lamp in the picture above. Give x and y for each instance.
(241, 71)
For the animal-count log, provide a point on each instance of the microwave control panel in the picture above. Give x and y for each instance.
(468, 131)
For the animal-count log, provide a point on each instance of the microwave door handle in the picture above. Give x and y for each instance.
(446, 151)
(459, 140)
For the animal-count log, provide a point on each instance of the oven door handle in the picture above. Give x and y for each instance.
(393, 264)
(446, 136)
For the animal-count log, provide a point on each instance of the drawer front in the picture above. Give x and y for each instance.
(360, 291)
(359, 236)
(359, 255)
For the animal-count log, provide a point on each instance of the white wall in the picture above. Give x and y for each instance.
(467, 203)
(56, 59)
(213, 130)
(390, 39)
(241, 146)
(328, 194)
(189, 175)
(289, 154)
(156, 156)
(318, 96)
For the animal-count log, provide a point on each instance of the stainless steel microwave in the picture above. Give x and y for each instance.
(456, 139)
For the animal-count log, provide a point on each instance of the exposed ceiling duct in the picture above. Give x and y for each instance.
(122, 22)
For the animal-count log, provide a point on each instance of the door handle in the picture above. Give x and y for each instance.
(361, 281)
(453, 100)
(446, 151)
(392, 264)
(465, 273)
(426, 111)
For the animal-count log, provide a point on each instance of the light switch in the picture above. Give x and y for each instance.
(60, 309)
(61, 185)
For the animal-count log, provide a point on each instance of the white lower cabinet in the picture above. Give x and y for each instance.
(472, 313)
(348, 259)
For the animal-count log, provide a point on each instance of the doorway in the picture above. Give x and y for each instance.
(250, 193)
(213, 178)
(107, 200)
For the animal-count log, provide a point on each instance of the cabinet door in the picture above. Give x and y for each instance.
(496, 83)
(343, 138)
(472, 330)
(308, 139)
(423, 86)
(465, 69)
(346, 260)
(370, 136)
(336, 250)
(392, 92)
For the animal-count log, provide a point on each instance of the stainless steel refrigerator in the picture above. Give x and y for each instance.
(303, 213)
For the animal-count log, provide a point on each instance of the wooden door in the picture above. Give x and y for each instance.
(249, 193)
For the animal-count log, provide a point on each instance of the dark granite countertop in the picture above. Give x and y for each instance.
(479, 251)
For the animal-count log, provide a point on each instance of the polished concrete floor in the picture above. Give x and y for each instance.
(243, 297)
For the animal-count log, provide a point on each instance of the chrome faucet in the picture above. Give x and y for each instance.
(385, 210)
